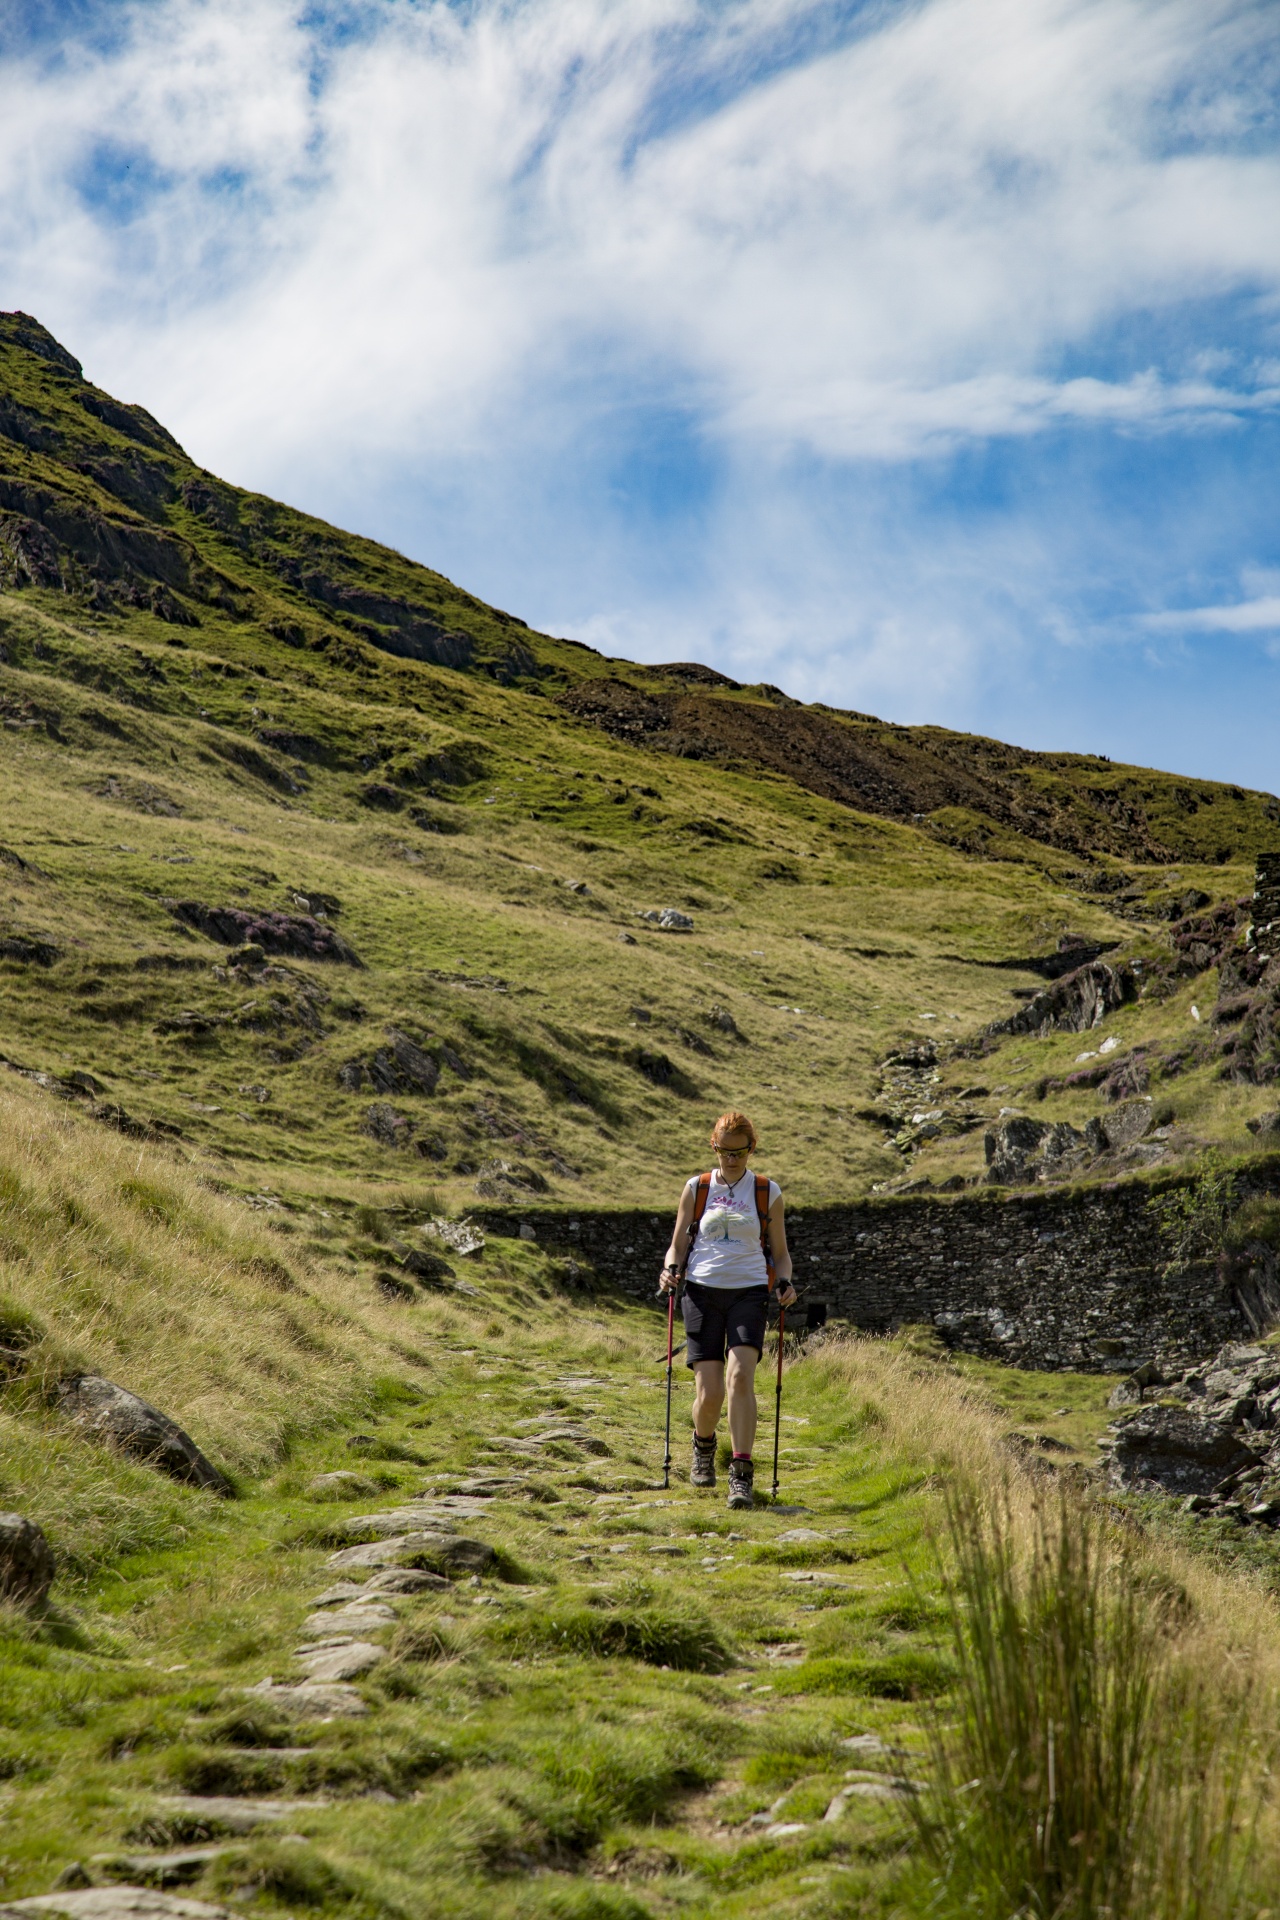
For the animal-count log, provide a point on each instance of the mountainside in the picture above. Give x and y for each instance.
(315, 862)
(335, 904)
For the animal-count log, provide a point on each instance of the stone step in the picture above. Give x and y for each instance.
(226, 1813)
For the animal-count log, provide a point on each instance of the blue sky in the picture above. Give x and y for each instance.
(921, 358)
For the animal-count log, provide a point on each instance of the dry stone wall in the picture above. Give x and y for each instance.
(1072, 1278)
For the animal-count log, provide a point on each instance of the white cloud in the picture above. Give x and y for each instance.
(1246, 616)
(884, 250)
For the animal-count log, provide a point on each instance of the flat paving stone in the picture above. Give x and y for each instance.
(230, 1814)
(311, 1700)
(117, 1903)
(341, 1590)
(407, 1580)
(360, 1619)
(454, 1549)
(176, 1869)
(328, 1664)
(398, 1520)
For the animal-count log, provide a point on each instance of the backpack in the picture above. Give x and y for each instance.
(703, 1194)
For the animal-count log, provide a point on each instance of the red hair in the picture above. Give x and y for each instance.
(732, 1123)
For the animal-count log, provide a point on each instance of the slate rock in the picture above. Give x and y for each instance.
(1173, 1450)
(111, 1413)
(26, 1560)
(1266, 1128)
(117, 1903)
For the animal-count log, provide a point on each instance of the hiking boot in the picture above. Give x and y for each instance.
(704, 1461)
(741, 1483)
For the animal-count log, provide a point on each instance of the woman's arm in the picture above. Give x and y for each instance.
(678, 1251)
(781, 1253)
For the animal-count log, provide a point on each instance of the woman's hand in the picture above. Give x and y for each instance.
(668, 1280)
(787, 1295)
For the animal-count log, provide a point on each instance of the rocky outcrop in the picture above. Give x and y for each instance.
(1212, 1435)
(26, 1561)
(107, 1412)
(1021, 1151)
(402, 1066)
(1076, 1003)
(298, 934)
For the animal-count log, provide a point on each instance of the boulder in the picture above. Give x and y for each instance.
(26, 1560)
(111, 1413)
(1127, 1124)
(1265, 1128)
(1173, 1450)
(1021, 1150)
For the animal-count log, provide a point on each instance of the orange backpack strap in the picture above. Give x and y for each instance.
(701, 1194)
(762, 1213)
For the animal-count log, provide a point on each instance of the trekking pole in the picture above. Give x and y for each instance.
(670, 1337)
(777, 1405)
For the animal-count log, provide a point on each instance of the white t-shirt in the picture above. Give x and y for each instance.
(726, 1249)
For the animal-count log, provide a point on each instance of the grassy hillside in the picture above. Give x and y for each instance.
(201, 707)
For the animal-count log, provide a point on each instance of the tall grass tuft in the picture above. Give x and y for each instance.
(1088, 1770)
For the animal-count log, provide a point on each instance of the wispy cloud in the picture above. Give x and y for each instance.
(1246, 616)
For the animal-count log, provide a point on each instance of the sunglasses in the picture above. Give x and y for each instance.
(733, 1153)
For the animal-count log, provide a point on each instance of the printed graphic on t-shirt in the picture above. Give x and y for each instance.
(731, 1215)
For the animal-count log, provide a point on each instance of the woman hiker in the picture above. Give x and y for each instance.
(729, 1244)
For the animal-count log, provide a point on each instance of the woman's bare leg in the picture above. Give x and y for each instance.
(708, 1396)
(742, 1398)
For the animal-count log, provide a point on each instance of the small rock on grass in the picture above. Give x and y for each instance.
(26, 1560)
(342, 1485)
(343, 1590)
(117, 1903)
(799, 1536)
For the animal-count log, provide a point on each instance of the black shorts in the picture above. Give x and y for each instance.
(717, 1318)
